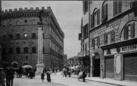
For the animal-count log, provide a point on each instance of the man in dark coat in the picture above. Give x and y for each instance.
(84, 75)
(11, 77)
(2, 78)
(48, 75)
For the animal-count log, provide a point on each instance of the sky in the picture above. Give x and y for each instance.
(68, 15)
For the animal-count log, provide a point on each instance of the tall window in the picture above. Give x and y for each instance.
(4, 50)
(4, 37)
(17, 50)
(129, 31)
(10, 36)
(10, 50)
(18, 36)
(25, 49)
(85, 6)
(104, 11)
(26, 57)
(86, 31)
(33, 35)
(96, 42)
(33, 49)
(109, 37)
(95, 18)
(117, 7)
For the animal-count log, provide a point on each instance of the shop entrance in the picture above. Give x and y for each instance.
(96, 63)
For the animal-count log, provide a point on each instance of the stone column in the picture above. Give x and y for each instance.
(40, 65)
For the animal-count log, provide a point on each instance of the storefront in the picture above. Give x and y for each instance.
(109, 66)
(121, 60)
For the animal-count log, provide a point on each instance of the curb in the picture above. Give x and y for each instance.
(102, 82)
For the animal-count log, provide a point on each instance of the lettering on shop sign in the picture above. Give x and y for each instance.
(129, 48)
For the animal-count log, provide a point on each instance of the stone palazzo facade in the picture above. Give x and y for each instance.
(19, 37)
(111, 29)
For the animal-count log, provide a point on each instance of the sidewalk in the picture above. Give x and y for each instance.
(110, 81)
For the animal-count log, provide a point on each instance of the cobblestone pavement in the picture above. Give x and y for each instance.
(57, 80)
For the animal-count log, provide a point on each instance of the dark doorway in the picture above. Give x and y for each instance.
(96, 70)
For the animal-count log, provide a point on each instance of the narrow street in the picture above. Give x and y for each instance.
(57, 80)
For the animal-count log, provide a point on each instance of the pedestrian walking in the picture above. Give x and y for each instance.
(48, 75)
(84, 75)
(11, 77)
(2, 77)
(7, 71)
(42, 76)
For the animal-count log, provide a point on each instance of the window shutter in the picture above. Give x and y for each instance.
(133, 30)
(120, 6)
(92, 21)
(102, 12)
(93, 43)
(105, 38)
(126, 32)
(112, 36)
(106, 14)
(114, 8)
(98, 16)
(98, 41)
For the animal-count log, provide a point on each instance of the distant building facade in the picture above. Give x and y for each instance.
(19, 37)
(65, 60)
(113, 35)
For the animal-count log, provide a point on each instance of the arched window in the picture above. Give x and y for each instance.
(95, 18)
(33, 35)
(4, 37)
(25, 49)
(10, 36)
(18, 36)
(33, 49)
(4, 51)
(18, 50)
(14, 64)
(104, 11)
(10, 50)
(128, 31)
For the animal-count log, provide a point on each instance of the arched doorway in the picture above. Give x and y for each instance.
(14, 64)
(96, 64)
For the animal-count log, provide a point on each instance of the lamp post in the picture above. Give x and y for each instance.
(40, 65)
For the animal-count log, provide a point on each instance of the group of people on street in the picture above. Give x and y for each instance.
(66, 71)
(82, 73)
(6, 77)
(48, 73)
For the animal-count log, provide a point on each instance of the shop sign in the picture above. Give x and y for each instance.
(129, 48)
